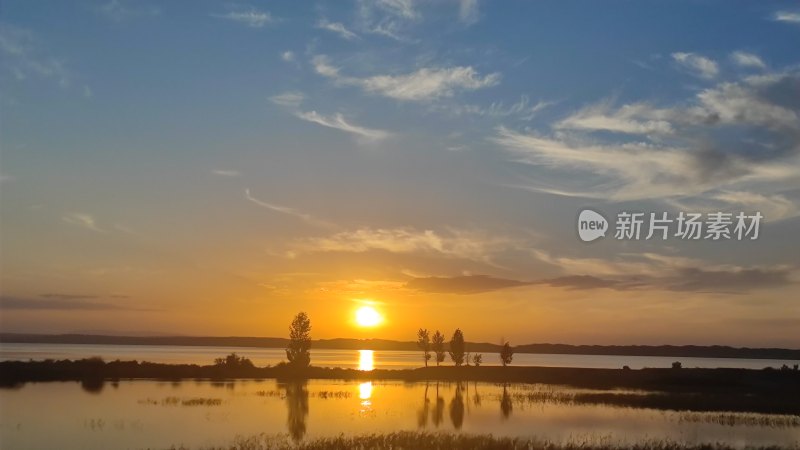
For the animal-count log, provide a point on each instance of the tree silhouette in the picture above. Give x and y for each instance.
(438, 346)
(506, 354)
(477, 359)
(457, 347)
(299, 341)
(424, 343)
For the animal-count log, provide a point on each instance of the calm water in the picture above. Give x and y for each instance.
(381, 359)
(151, 414)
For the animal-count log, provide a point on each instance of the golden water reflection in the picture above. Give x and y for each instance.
(366, 360)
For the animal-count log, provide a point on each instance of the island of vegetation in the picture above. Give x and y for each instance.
(767, 391)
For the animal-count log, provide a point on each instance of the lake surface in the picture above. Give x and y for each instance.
(152, 414)
(380, 359)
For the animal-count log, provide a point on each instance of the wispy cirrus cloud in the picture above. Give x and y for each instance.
(745, 59)
(25, 58)
(337, 28)
(249, 16)
(290, 99)
(468, 11)
(523, 109)
(787, 16)
(338, 122)
(119, 10)
(288, 56)
(83, 220)
(453, 243)
(680, 152)
(308, 218)
(226, 172)
(425, 84)
(697, 64)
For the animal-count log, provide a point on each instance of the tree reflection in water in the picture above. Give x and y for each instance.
(438, 410)
(457, 407)
(424, 412)
(297, 407)
(506, 406)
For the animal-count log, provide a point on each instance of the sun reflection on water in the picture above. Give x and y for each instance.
(366, 360)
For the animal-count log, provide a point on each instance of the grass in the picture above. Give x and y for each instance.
(412, 440)
(176, 401)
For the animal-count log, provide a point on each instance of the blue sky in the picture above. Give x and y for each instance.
(164, 162)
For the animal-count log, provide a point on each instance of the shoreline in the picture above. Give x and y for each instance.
(671, 351)
(745, 390)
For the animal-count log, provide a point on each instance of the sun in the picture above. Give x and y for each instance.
(368, 317)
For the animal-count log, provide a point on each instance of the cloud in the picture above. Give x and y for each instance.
(681, 279)
(337, 28)
(636, 118)
(288, 56)
(82, 220)
(697, 64)
(787, 16)
(323, 66)
(250, 17)
(472, 284)
(522, 109)
(400, 8)
(338, 122)
(470, 245)
(226, 173)
(308, 218)
(425, 84)
(745, 59)
(388, 18)
(291, 99)
(680, 153)
(23, 55)
(119, 10)
(468, 11)
(58, 303)
(729, 281)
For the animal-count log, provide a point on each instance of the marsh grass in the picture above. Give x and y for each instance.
(412, 440)
(741, 419)
(318, 394)
(176, 401)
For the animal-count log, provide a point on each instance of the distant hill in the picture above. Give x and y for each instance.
(715, 351)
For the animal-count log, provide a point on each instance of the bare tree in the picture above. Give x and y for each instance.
(424, 343)
(299, 341)
(438, 346)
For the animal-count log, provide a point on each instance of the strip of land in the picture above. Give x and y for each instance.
(686, 351)
(765, 391)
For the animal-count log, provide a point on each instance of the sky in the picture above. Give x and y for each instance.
(212, 168)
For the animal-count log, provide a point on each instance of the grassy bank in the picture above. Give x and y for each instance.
(448, 441)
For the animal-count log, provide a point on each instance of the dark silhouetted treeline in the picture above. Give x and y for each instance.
(768, 390)
(715, 351)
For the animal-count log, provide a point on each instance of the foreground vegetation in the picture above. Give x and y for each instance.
(449, 441)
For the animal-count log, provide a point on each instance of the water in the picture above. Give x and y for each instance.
(153, 414)
(381, 359)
